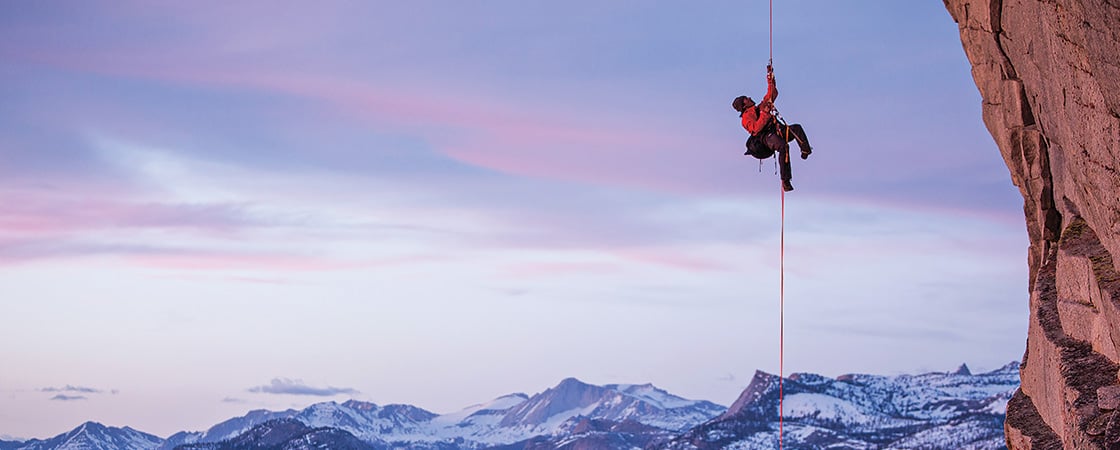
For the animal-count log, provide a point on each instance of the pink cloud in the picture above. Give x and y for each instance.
(77, 209)
(503, 134)
(543, 269)
(655, 257)
(72, 221)
(198, 259)
(261, 280)
(230, 260)
(218, 261)
(940, 211)
(673, 259)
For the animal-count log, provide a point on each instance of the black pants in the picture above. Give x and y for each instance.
(794, 132)
(778, 139)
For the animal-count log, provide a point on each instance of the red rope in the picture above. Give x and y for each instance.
(782, 318)
(781, 282)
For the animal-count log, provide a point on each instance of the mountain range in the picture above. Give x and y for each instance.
(957, 410)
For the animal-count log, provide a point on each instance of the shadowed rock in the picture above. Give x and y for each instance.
(1049, 74)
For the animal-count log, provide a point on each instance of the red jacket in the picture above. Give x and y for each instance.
(755, 118)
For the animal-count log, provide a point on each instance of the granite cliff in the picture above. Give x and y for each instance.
(1049, 75)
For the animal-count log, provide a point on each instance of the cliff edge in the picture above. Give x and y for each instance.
(1049, 75)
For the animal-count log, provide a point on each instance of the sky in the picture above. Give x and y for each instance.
(212, 207)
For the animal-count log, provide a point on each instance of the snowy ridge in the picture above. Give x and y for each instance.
(370, 422)
(236, 426)
(483, 412)
(564, 411)
(287, 434)
(935, 410)
(546, 412)
(650, 394)
(10, 443)
(857, 411)
(95, 436)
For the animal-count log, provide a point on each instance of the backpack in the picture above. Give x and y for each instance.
(757, 145)
(767, 141)
(757, 148)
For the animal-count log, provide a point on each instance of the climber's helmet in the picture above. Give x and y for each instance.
(741, 103)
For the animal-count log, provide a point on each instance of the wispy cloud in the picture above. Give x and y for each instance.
(69, 388)
(41, 212)
(68, 398)
(884, 331)
(234, 400)
(17, 251)
(497, 134)
(297, 387)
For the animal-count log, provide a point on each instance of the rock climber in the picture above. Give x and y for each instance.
(768, 135)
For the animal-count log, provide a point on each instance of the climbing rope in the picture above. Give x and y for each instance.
(771, 32)
(782, 318)
(781, 275)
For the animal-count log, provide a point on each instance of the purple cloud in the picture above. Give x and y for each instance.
(69, 388)
(297, 387)
(68, 398)
(477, 129)
(44, 211)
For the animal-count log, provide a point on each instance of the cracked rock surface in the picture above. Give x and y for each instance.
(1049, 75)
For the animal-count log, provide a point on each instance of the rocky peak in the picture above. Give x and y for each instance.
(809, 378)
(962, 370)
(762, 387)
(90, 426)
(407, 413)
(95, 436)
(274, 431)
(932, 410)
(571, 383)
(360, 405)
(289, 434)
(570, 394)
(238, 425)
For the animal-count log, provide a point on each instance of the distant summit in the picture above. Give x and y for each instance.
(286, 434)
(10, 444)
(934, 410)
(95, 436)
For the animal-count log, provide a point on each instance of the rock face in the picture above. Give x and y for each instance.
(1049, 74)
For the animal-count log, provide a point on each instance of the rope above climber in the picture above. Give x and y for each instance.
(770, 134)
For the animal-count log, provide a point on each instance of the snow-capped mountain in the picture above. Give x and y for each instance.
(644, 404)
(95, 436)
(372, 423)
(180, 438)
(287, 434)
(956, 410)
(227, 429)
(558, 411)
(935, 410)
